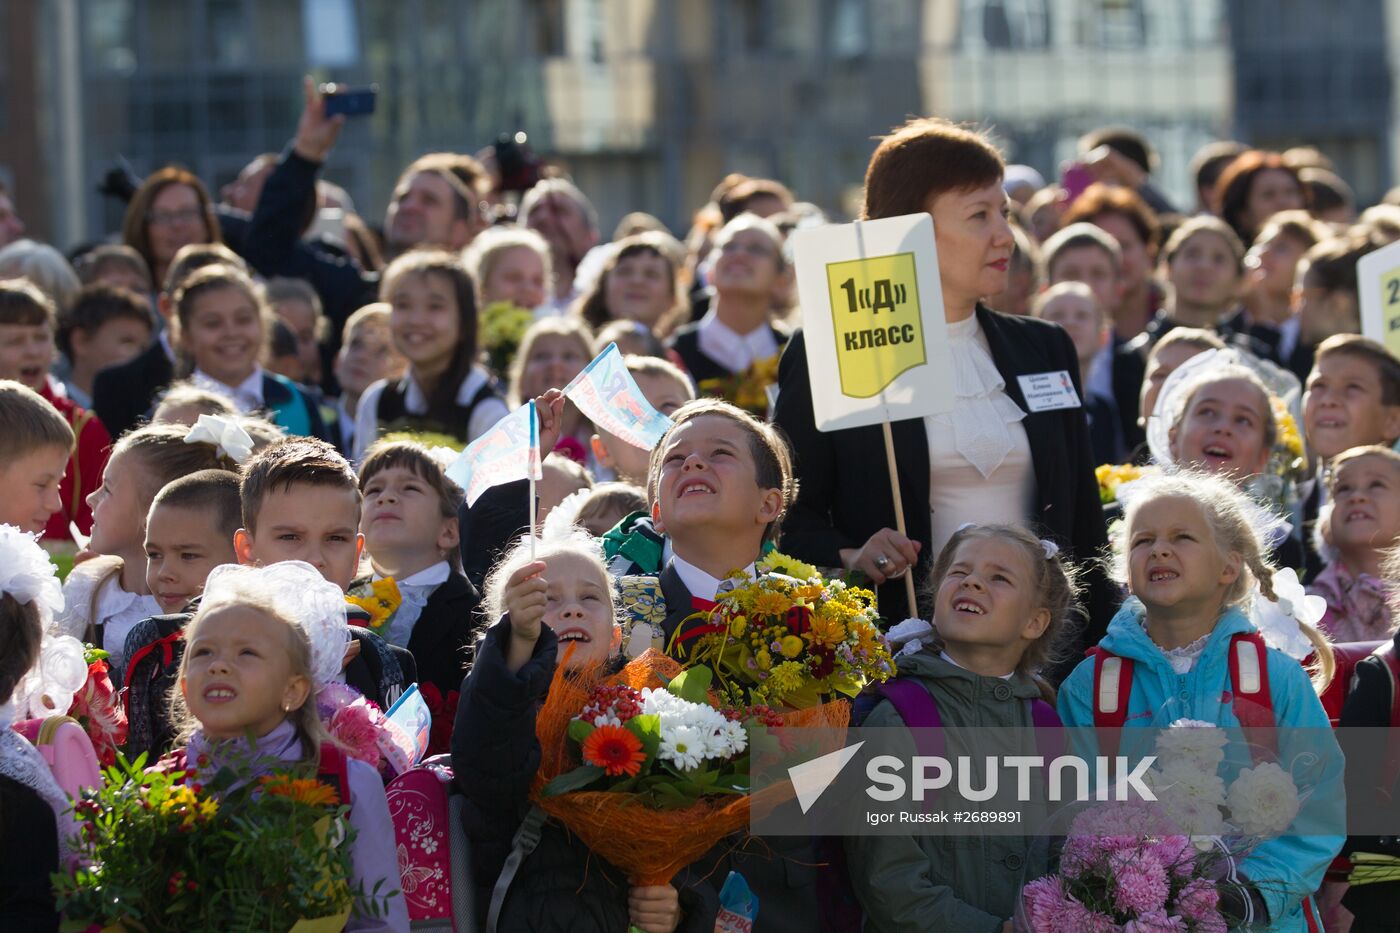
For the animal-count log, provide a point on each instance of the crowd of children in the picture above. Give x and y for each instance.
(247, 487)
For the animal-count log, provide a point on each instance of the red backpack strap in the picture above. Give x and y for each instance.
(334, 769)
(1253, 702)
(1113, 684)
(166, 647)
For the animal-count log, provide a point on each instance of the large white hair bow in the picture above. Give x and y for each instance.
(27, 574)
(227, 436)
(298, 590)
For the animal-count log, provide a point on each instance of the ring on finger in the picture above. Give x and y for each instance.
(881, 563)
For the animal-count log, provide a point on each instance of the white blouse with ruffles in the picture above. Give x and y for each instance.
(980, 467)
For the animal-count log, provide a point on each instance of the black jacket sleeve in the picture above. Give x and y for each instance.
(28, 854)
(273, 246)
(808, 531)
(490, 524)
(495, 752)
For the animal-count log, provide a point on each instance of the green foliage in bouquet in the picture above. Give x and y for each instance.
(164, 853)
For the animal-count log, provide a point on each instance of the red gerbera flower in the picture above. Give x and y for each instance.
(614, 749)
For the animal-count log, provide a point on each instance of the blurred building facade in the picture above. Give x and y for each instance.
(650, 102)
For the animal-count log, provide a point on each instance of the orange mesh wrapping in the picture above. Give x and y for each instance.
(648, 844)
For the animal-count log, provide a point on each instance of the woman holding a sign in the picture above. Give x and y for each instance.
(1014, 448)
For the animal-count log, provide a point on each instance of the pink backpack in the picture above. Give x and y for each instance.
(67, 750)
(434, 870)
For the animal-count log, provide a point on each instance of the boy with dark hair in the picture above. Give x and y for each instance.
(410, 529)
(35, 444)
(1351, 399)
(189, 532)
(107, 326)
(27, 322)
(719, 483)
(301, 501)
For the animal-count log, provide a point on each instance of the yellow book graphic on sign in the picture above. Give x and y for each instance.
(875, 316)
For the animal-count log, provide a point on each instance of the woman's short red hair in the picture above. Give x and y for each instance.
(924, 158)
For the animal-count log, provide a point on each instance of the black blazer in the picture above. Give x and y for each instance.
(443, 633)
(122, 395)
(844, 493)
(686, 343)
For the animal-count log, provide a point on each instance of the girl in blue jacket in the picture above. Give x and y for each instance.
(1190, 559)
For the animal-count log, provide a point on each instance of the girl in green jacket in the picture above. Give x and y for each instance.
(1002, 601)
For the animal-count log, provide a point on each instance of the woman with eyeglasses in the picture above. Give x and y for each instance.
(171, 209)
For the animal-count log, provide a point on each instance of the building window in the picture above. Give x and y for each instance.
(549, 28)
(332, 33)
(1005, 24)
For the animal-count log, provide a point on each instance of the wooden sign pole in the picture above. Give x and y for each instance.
(899, 514)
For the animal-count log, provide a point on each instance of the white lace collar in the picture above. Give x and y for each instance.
(982, 409)
(1184, 658)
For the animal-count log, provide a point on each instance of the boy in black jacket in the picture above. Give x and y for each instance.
(410, 527)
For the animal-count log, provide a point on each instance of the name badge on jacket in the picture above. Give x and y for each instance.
(1049, 391)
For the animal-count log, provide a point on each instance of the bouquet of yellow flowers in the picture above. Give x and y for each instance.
(180, 850)
(786, 640)
(503, 326)
(1113, 475)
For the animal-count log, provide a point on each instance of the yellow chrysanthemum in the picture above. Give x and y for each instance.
(810, 592)
(763, 659)
(737, 625)
(827, 631)
(786, 678)
(768, 603)
(1288, 437)
(777, 562)
(381, 601)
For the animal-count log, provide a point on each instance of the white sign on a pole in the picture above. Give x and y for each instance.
(1378, 284)
(872, 313)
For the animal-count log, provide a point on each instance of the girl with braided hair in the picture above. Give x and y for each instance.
(1205, 635)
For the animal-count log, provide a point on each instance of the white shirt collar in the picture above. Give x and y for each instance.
(247, 395)
(430, 576)
(416, 404)
(736, 351)
(697, 581)
(944, 656)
